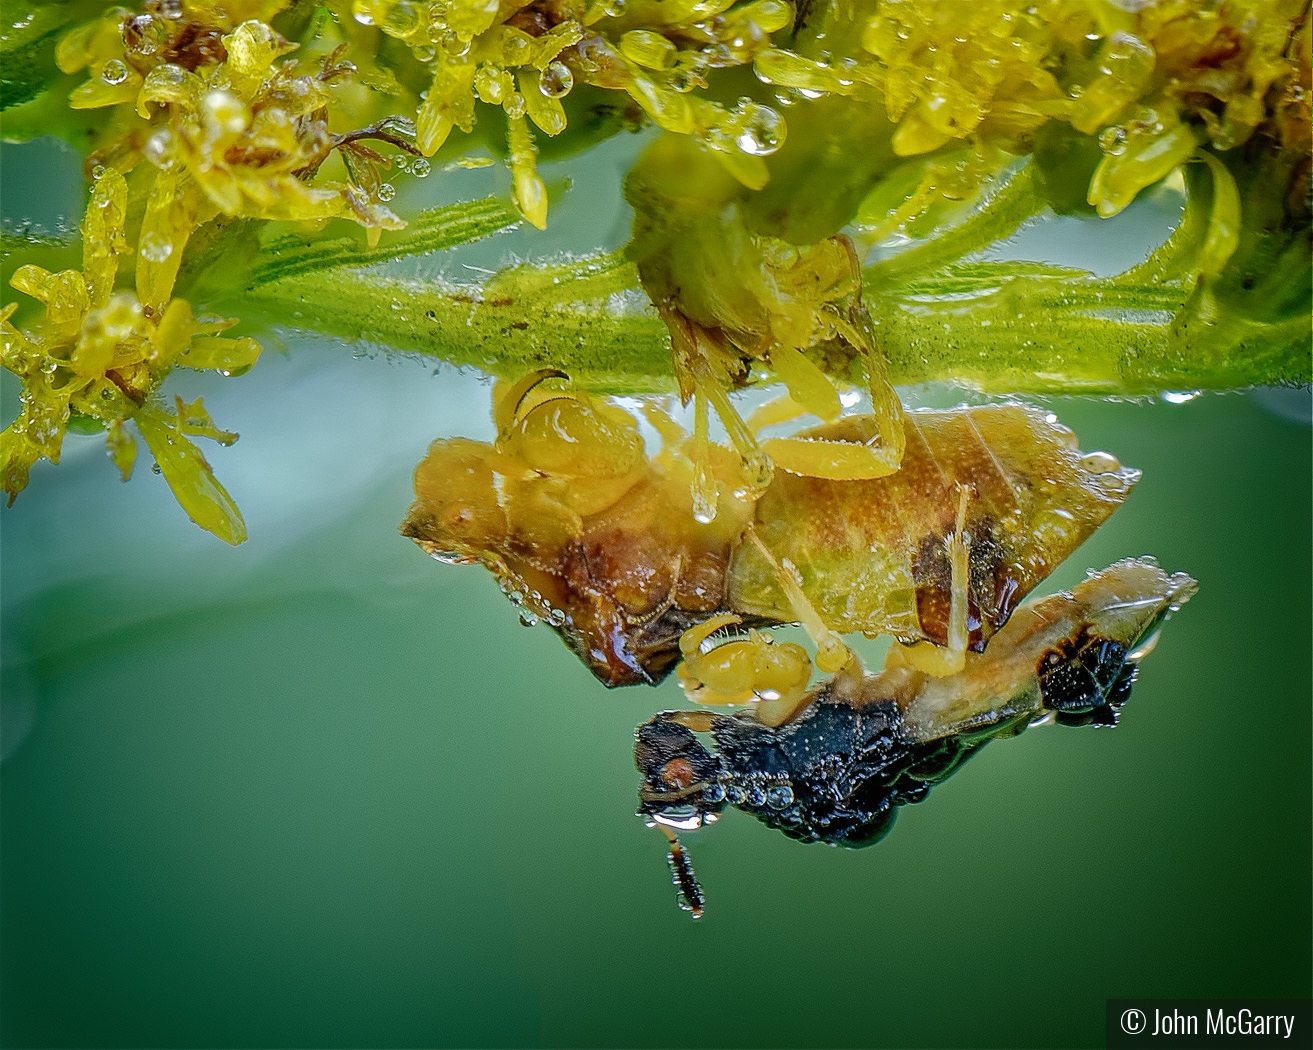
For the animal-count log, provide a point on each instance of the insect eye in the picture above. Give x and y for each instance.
(678, 773)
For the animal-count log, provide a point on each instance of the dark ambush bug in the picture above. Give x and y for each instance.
(867, 744)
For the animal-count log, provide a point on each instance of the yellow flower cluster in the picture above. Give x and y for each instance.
(526, 57)
(1153, 80)
(230, 129)
(98, 356)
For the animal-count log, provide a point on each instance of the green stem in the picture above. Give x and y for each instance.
(999, 327)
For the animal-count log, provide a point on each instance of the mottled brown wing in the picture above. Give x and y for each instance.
(872, 553)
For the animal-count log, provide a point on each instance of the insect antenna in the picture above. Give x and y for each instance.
(681, 870)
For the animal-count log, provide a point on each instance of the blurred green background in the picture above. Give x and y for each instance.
(322, 791)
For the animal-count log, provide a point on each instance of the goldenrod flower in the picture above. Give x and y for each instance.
(100, 356)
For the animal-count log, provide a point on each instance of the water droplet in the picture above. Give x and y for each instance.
(98, 173)
(779, 796)
(386, 191)
(449, 557)
(528, 618)
(756, 796)
(557, 617)
(454, 45)
(1112, 140)
(144, 34)
(704, 496)
(420, 168)
(515, 597)
(402, 19)
(154, 247)
(556, 80)
(761, 132)
(155, 468)
(363, 12)
(159, 149)
(1180, 397)
(1100, 462)
(493, 84)
(114, 71)
(1144, 646)
(515, 50)
(614, 8)
(713, 793)
(735, 794)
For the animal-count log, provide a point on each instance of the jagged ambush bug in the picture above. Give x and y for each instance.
(586, 531)
(735, 297)
(866, 744)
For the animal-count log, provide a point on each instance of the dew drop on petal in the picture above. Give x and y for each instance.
(556, 80)
(114, 71)
(155, 247)
(761, 132)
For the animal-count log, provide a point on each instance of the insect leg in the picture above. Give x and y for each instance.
(950, 658)
(832, 652)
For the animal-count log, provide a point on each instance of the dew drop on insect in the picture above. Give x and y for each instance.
(528, 618)
(556, 80)
(155, 247)
(704, 497)
(711, 794)
(386, 191)
(1144, 647)
(756, 796)
(779, 795)
(735, 794)
(420, 168)
(556, 617)
(1100, 462)
(515, 597)
(448, 557)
